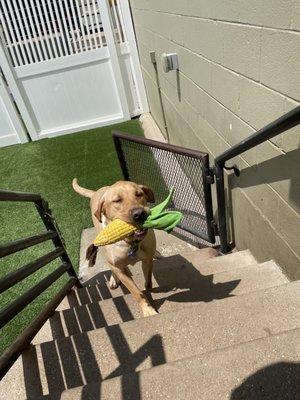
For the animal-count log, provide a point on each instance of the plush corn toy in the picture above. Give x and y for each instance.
(157, 219)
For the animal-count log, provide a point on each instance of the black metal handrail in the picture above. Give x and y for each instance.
(10, 311)
(280, 125)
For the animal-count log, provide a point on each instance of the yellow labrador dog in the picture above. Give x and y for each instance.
(126, 201)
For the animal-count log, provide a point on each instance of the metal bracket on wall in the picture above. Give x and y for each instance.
(235, 169)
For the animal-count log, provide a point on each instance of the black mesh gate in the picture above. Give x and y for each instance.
(162, 166)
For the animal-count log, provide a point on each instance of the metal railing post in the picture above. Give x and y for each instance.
(219, 173)
(49, 222)
(280, 125)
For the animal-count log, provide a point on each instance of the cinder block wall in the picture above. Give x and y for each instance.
(239, 70)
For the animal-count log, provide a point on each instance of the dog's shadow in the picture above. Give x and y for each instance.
(181, 282)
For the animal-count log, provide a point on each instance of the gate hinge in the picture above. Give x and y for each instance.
(215, 227)
(210, 178)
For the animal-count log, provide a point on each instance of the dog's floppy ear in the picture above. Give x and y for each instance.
(100, 209)
(148, 192)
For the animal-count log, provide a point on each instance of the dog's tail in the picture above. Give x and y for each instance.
(84, 192)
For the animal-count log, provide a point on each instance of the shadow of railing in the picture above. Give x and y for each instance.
(273, 171)
(190, 286)
(75, 361)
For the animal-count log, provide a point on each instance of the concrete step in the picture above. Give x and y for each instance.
(184, 289)
(265, 368)
(196, 262)
(205, 260)
(140, 344)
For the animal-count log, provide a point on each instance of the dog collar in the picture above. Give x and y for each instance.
(133, 248)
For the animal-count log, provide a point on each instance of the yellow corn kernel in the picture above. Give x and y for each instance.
(114, 232)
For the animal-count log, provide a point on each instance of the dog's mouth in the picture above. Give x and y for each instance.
(139, 234)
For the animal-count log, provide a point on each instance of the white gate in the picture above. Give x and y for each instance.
(70, 64)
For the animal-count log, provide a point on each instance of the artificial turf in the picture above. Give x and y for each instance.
(48, 167)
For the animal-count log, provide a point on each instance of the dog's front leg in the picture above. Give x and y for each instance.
(139, 296)
(114, 281)
(147, 266)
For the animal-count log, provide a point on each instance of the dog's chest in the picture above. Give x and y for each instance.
(123, 254)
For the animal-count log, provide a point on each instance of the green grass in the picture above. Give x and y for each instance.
(48, 167)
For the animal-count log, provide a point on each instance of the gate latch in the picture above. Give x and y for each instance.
(209, 177)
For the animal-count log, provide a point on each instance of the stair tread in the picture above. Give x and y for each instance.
(236, 373)
(140, 344)
(101, 291)
(179, 293)
(206, 260)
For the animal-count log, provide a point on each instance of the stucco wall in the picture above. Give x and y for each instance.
(239, 69)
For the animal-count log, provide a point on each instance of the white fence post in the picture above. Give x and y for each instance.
(9, 74)
(107, 27)
(135, 60)
(9, 113)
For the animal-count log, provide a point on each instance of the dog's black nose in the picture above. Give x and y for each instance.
(138, 214)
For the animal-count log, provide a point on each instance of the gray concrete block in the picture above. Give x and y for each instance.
(108, 352)
(242, 49)
(204, 37)
(196, 68)
(218, 10)
(296, 16)
(258, 105)
(153, 99)
(209, 136)
(284, 178)
(214, 113)
(192, 93)
(280, 64)
(236, 130)
(172, 92)
(253, 230)
(268, 365)
(289, 140)
(272, 13)
(225, 87)
(289, 226)
(263, 196)
(176, 125)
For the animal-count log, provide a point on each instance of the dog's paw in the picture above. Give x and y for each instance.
(114, 283)
(148, 311)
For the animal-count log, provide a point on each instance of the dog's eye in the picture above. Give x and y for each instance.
(118, 200)
(139, 194)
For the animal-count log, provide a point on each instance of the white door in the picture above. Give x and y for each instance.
(70, 64)
(11, 128)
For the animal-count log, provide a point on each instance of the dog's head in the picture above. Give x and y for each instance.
(126, 201)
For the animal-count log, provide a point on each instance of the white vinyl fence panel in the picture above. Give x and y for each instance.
(41, 30)
(71, 64)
